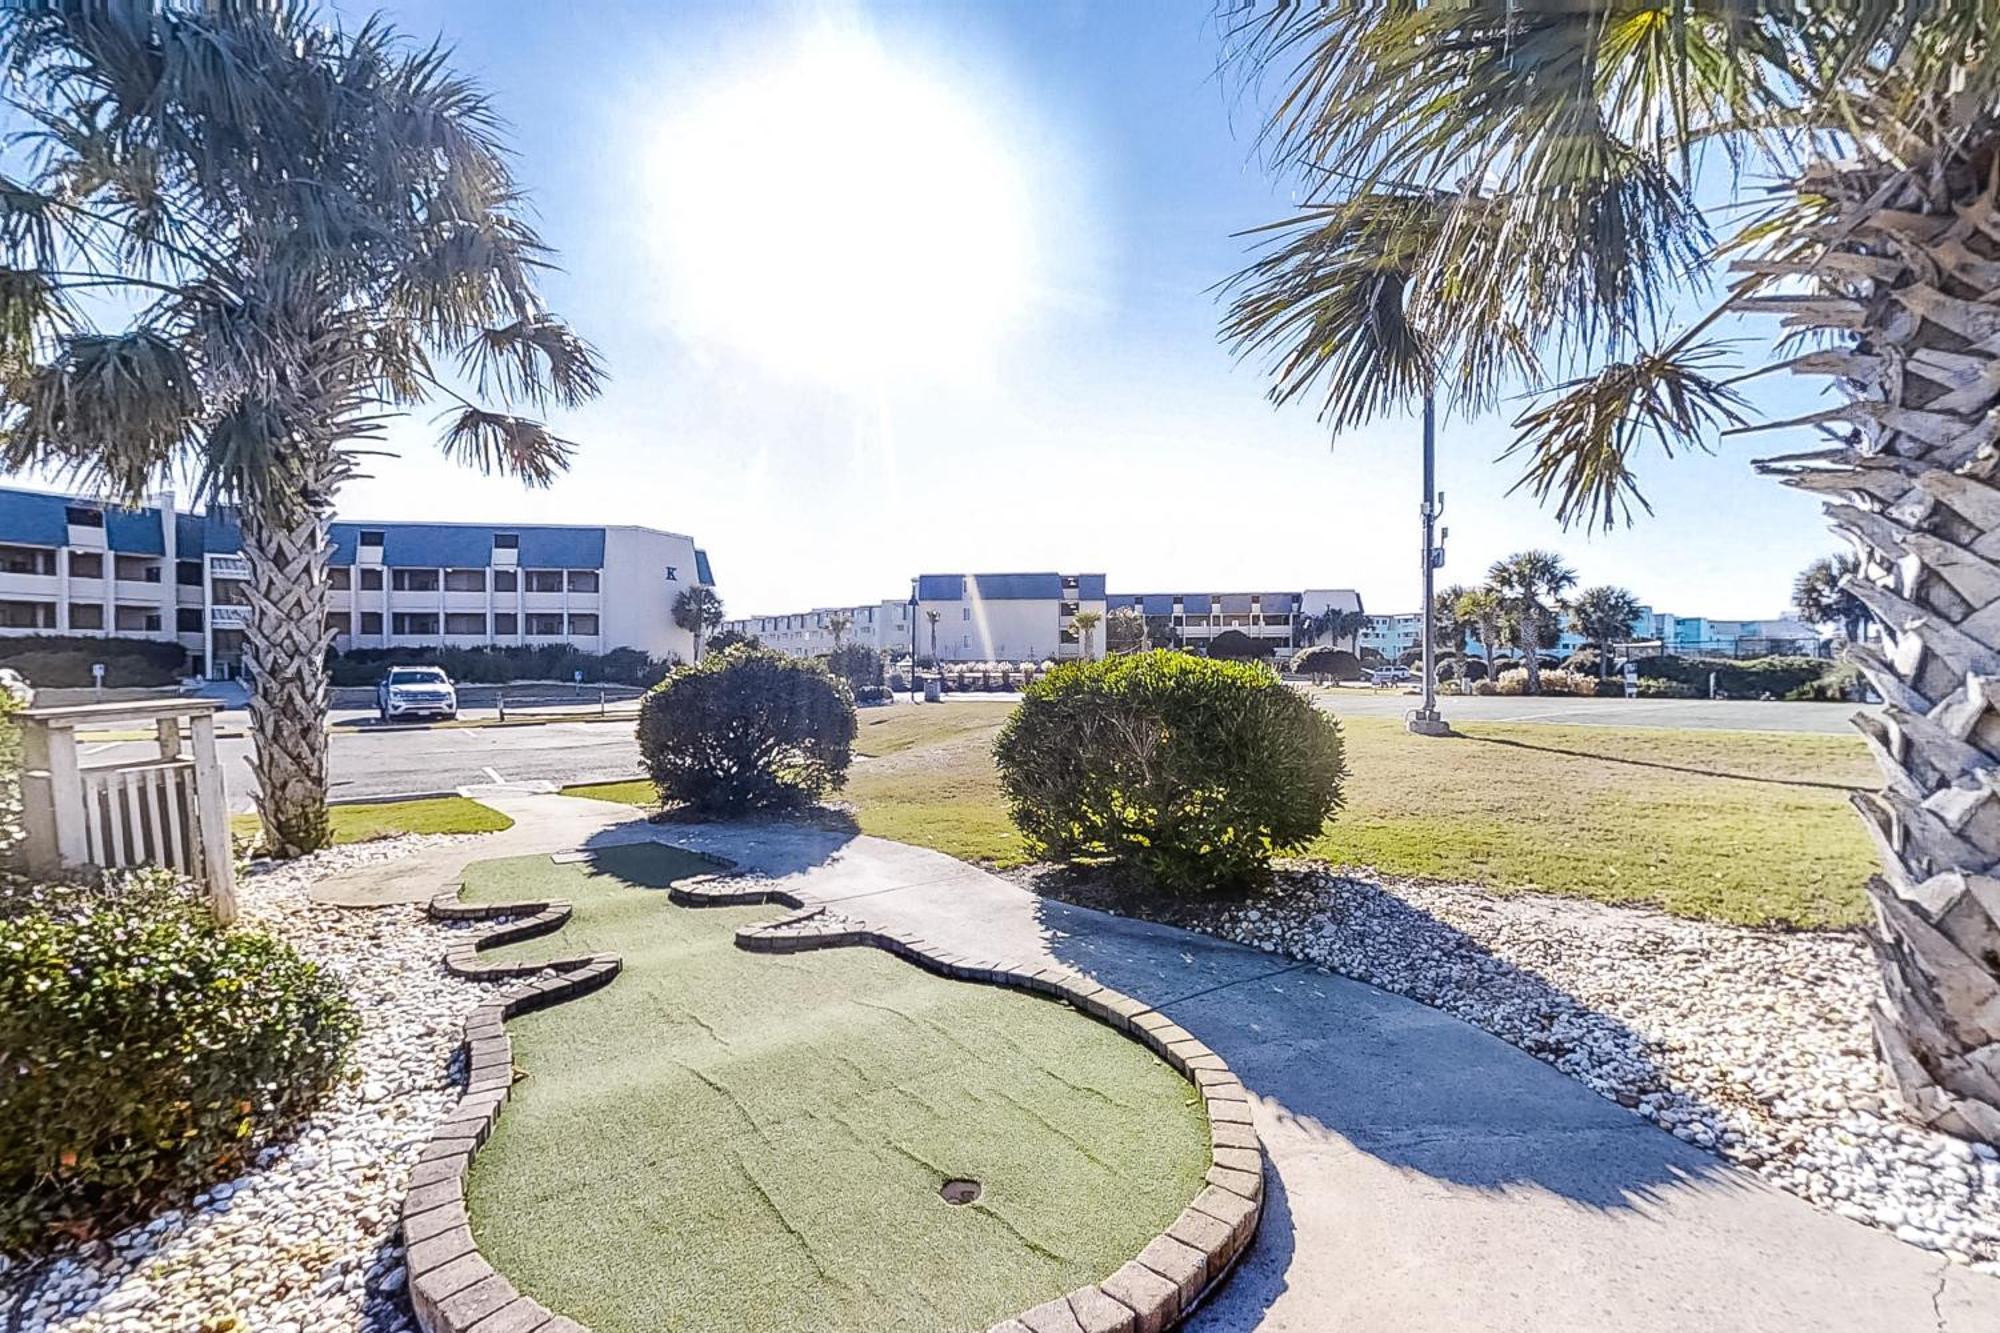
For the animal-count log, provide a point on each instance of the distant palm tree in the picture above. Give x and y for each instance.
(1824, 596)
(838, 625)
(1086, 623)
(1603, 615)
(1483, 608)
(1333, 625)
(1531, 585)
(1450, 627)
(698, 610)
(932, 617)
(290, 220)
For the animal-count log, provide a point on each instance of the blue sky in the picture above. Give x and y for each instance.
(894, 287)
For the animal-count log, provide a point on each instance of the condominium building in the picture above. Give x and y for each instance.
(74, 566)
(969, 618)
(1279, 622)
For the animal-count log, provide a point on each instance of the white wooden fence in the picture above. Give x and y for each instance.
(164, 807)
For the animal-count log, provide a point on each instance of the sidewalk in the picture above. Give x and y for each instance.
(1424, 1175)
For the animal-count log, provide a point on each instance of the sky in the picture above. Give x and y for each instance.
(894, 288)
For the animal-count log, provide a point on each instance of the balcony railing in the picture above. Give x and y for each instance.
(225, 615)
(229, 566)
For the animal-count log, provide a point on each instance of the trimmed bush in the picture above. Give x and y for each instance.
(1752, 678)
(1651, 687)
(874, 694)
(63, 661)
(745, 730)
(1324, 660)
(1515, 681)
(1840, 685)
(147, 1051)
(504, 665)
(1191, 771)
(855, 663)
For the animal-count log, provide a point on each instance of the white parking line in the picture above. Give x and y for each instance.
(494, 773)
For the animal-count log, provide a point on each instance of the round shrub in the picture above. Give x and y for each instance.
(874, 694)
(747, 729)
(1326, 660)
(145, 1051)
(855, 663)
(1191, 771)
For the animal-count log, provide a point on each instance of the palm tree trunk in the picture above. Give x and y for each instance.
(1911, 268)
(285, 648)
(1531, 641)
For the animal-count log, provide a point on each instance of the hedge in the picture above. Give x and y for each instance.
(504, 665)
(63, 661)
(1752, 678)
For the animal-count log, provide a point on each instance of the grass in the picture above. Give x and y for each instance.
(1746, 827)
(726, 1140)
(365, 823)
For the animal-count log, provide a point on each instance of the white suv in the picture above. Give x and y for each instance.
(409, 691)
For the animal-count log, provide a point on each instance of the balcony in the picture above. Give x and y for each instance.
(226, 616)
(228, 567)
(27, 585)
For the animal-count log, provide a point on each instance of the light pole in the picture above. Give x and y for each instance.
(936, 666)
(1425, 721)
(913, 640)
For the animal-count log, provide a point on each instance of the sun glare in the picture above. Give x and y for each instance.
(844, 214)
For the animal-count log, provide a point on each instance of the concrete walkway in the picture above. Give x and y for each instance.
(1425, 1175)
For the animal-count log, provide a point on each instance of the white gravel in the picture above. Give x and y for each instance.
(1751, 1043)
(305, 1243)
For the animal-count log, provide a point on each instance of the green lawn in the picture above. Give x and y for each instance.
(727, 1140)
(365, 823)
(1748, 827)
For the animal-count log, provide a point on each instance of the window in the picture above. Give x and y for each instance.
(187, 573)
(152, 622)
(506, 541)
(77, 516)
(371, 580)
(371, 622)
(27, 615)
(583, 626)
(965, 613)
(465, 580)
(505, 580)
(583, 580)
(340, 578)
(414, 580)
(466, 622)
(506, 623)
(338, 622)
(26, 560)
(371, 537)
(414, 622)
(545, 627)
(545, 580)
(86, 565)
(86, 615)
(187, 620)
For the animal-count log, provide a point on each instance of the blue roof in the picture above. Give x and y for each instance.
(1195, 603)
(470, 546)
(555, 548)
(134, 531)
(33, 518)
(1123, 601)
(701, 570)
(1007, 587)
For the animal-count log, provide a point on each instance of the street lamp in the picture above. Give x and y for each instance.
(913, 640)
(1426, 721)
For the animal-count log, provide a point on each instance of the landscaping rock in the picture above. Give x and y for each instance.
(1754, 1044)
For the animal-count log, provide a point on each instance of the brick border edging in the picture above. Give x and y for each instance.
(454, 1290)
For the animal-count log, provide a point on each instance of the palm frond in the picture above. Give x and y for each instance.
(1580, 443)
(533, 359)
(113, 411)
(509, 445)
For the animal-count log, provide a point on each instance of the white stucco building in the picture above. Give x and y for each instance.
(73, 566)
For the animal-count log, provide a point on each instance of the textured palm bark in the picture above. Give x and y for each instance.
(285, 647)
(1905, 274)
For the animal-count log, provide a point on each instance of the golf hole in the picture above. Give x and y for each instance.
(959, 1191)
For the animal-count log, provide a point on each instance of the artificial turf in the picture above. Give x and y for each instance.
(728, 1140)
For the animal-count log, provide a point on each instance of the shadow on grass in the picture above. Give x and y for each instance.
(1670, 768)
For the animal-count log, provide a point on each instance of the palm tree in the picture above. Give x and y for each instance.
(1603, 614)
(838, 624)
(290, 222)
(1531, 585)
(698, 610)
(1333, 625)
(1502, 197)
(1125, 631)
(1824, 595)
(1450, 627)
(1086, 629)
(1481, 607)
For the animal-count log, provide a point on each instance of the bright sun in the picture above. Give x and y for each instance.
(841, 214)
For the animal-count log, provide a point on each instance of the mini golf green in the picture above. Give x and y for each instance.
(728, 1140)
